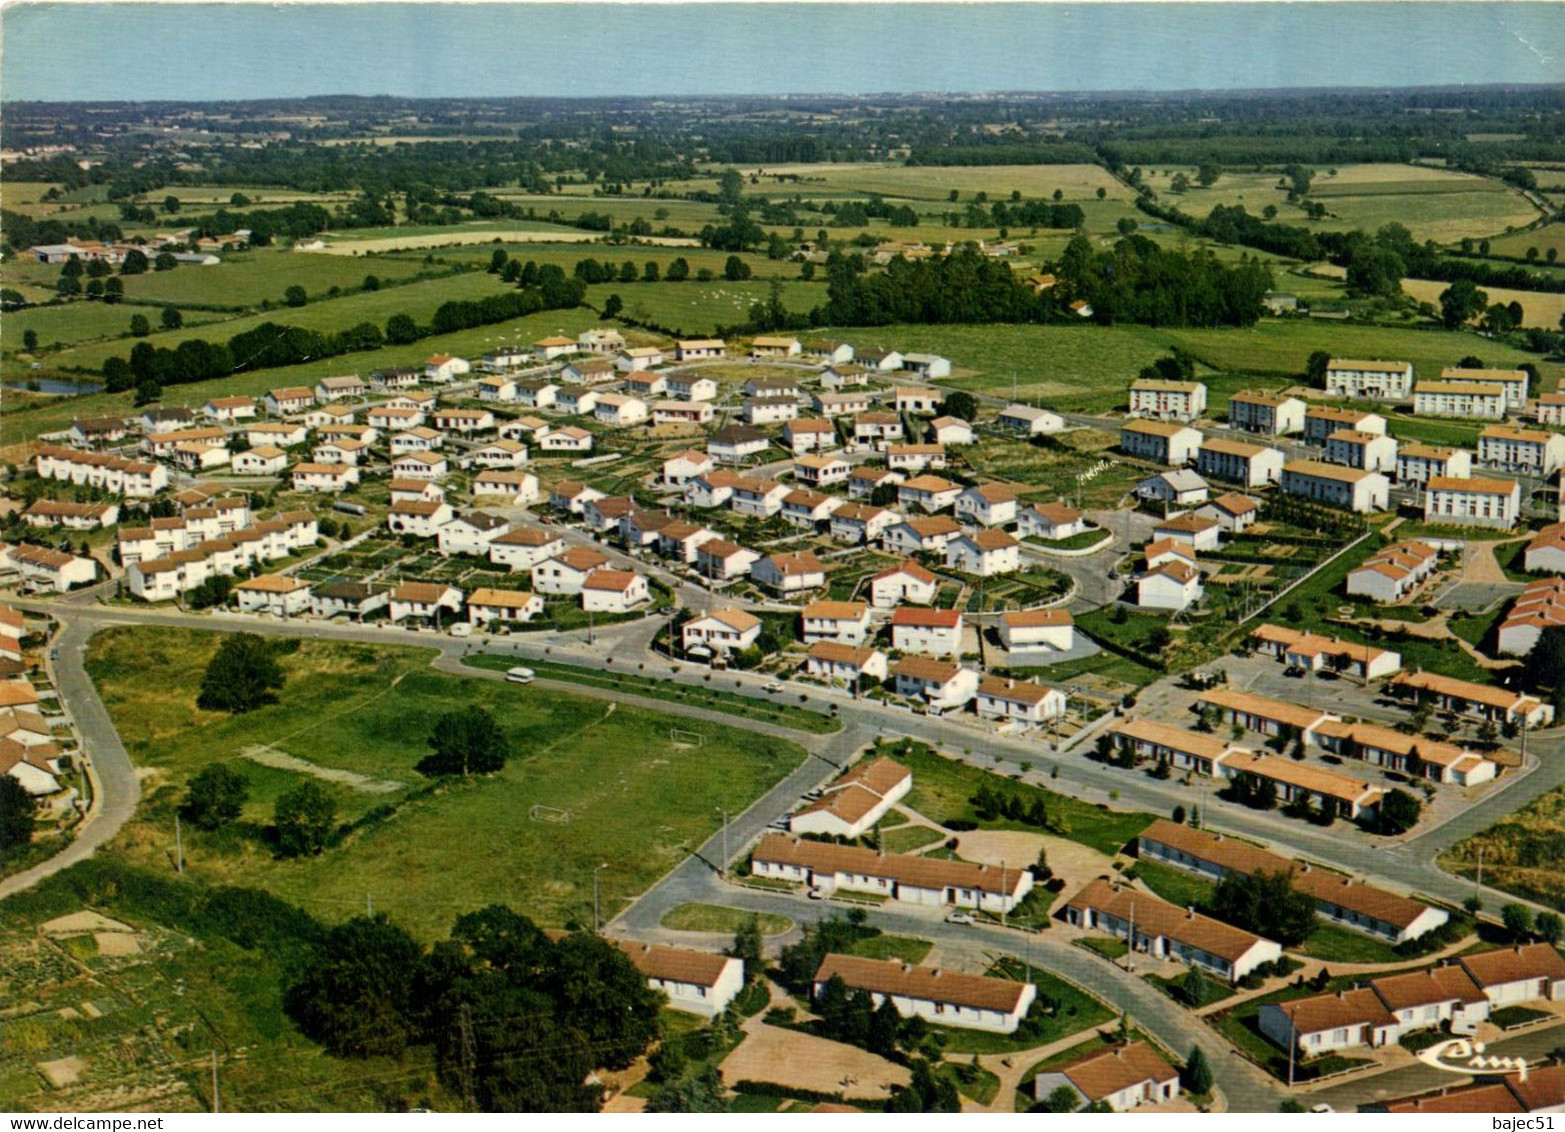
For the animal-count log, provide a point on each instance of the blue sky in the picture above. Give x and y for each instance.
(205, 52)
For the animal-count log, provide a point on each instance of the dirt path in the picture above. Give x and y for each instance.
(1480, 565)
(281, 760)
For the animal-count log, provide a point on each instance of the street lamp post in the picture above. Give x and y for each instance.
(597, 920)
(722, 866)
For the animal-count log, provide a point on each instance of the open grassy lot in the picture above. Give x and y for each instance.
(943, 787)
(1524, 853)
(699, 308)
(715, 918)
(637, 800)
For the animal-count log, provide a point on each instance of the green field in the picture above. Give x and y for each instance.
(715, 918)
(1523, 853)
(69, 323)
(637, 800)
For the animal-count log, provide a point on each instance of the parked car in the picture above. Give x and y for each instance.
(772, 686)
(520, 675)
(816, 894)
(960, 918)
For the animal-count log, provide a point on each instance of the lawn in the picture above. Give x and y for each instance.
(637, 800)
(1066, 1010)
(1180, 888)
(1110, 949)
(751, 707)
(1334, 944)
(908, 838)
(900, 947)
(715, 918)
(943, 786)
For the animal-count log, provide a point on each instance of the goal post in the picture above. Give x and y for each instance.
(688, 738)
(550, 814)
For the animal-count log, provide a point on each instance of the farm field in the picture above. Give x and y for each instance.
(1539, 308)
(934, 183)
(1516, 244)
(360, 713)
(80, 321)
(693, 308)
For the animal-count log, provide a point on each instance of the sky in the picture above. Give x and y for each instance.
(203, 52)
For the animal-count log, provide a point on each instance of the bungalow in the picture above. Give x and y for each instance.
(842, 404)
(915, 457)
(877, 429)
(685, 466)
(503, 358)
(929, 535)
(1262, 714)
(700, 349)
(831, 351)
(280, 435)
(395, 378)
(1525, 973)
(769, 410)
(326, 415)
(324, 477)
(928, 493)
(940, 684)
(881, 361)
(618, 409)
(711, 489)
(169, 419)
(833, 662)
(88, 432)
(1173, 585)
(464, 421)
(682, 413)
(858, 523)
(1483, 400)
(864, 482)
(338, 388)
(418, 439)
(1323, 420)
(547, 349)
(691, 387)
(613, 591)
(1232, 512)
(1164, 931)
(1181, 487)
(517, 487)
(424, 601)
(572, 497)
(969, 1002)
(736, 443)
(524, 548)
(1121, 1078)
(927, 366)
(821, 471)
(720, 631)
(1326, 1023)
(937, 632)
(71, 516)
(950, 431)
(808, 510)
(1029, 421)
(919, 401)
(276, 594)
(987, 505)
(908, 582)
(577, 402)
(1167, 400)
(1393, 572)
(567, 439)
(1381, 380)
(1314, 652)
(846, 622)
(499, 454)
(1018, 701)
(472, 533)
(773, 388)
(292, 399)
(36, 768)
(420, 518)
(1268, 413)
(1478, 701)
(695, 982)
(1414, 755)
(645, 385)
(757, 498)
(722, 561)
(1349, 488)
(638, 359)
(1251, 465)
(567, 572)
(844, 375)
(420, 466)
(1195, 531)
(1420, 463)
(537, 394)
(1024, 631)
(809, 435)
(600, 340)
(262, 460)
(1533, 451)
(1473, 501)
(1181, 750)
(486, 605)
(986, 554)
(1162, 442)
(229, 409)
(588, 371)
(855, 800)
(789, 573)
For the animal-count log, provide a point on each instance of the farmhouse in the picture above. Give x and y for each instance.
(855, 800)
(1163, 931)
(1167, 400)
(969, 1002)
(1268, 413)
(1350, 488)
(1378, 380)
(1162, 442)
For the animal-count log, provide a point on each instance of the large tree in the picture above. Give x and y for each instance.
(242, 676)
(305, 817)
(466, 742)
(1266, 904)
(1461, 302)
(355, 994)
(1398, 813)
(16, 815)
(215, 796)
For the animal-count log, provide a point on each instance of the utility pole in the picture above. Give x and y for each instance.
(216, 1107)
(597, 922)
(1130, 940)
(1003, 891)
(1293, 1041)
(179, 846)
(722, 866)
(1478, 880)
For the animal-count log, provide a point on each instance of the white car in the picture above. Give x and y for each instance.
(772, 686)
(520, 675)
(960, 918)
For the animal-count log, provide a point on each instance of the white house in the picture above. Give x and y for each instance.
(567, 572)
(425, 601)
(634, 358)
(696, 982)
(324, 477)
(682, 467)
(969, 1002)
(262, 460)
(986, 505)
(855, 800)
(908, 583)
(1037, 630)
(929, 535)
(276, 594)
(846, 622)
(1268, 413)
(1378, 380)
(721, 631)
(789, 573)
(524, 548)
(1468, 399)
(1250, 465)
(486, 605)
(613, 591)
(1007, 700)
(1029, 421)
(986, 554)
(420, 466)
(1533, 451)
(834, 663)
(1336, 486)
(473, 533)
(700, 349)
(441, 368)
(419, 518)
(618, 409)
(1162, 442)
(1121, 1078)
(935, 632)
(1181, 486)
(1173, 586)
(1050, 522)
